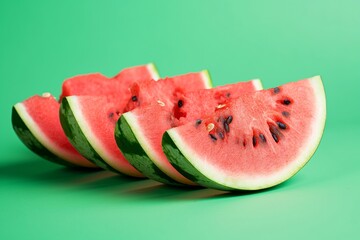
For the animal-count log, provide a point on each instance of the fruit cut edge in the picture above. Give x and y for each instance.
(174, 143)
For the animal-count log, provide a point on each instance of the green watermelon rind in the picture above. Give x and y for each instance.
(127, 133)
(76, 136)
(184, 166)
(24, 129)
(182, 157)
(133, 150)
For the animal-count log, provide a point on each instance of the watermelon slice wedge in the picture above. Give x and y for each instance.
(140, 139)
(89, 122)
(254, 142)
(36, 120)
(41, 131)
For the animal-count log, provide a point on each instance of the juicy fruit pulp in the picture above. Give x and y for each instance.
(139, 137)
(36, 120)
(97, 84)
(255, 142)
(89, 122)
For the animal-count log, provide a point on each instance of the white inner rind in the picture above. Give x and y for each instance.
(206, 78)
(142, 139)
(153, 71)
(257, 84)
(94, 141)
(47, 142)
(274, 178)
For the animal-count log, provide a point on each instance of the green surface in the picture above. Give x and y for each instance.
(42, 43)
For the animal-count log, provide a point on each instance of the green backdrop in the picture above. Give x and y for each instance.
(44, 42)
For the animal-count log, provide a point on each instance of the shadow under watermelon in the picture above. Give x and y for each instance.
(161, 193)
(78, 179)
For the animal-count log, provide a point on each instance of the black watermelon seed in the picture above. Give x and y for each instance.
(229, 119)
(198, 122)
(276, 90)
(221, 135)
(134, 98)
(226, 127)
(262, 137)
(212, 137)
(254, 141)
(275, 137)
(281, 125)
(111, 115)
(285, 113)
(228, 94)
(180, 103)
(286, 102)
(274, 133)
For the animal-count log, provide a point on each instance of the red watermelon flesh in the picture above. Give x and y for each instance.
(188, 107)
(149, 122)
(95, 118)
(38, 117)
(99, 85)
(166, 91)
(254, 142)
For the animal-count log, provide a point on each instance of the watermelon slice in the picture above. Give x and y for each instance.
(36, 120)
(89, 122)
(254, 142)
(41, 131)
(140, 139)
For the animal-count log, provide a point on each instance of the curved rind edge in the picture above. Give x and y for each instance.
(183, 165)
(27, 137)
(76, 137)
(135, 154)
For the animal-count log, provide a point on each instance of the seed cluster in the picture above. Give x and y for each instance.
(226, 123)
(219, 131)
(275, 133)
(258, 137)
